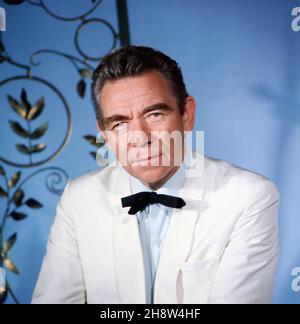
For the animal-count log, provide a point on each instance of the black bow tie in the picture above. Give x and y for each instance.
(139, 201)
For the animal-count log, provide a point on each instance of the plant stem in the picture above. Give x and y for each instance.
(12, 294)
(5, 215)
(29, 141)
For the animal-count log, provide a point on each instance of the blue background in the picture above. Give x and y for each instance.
(239, 60)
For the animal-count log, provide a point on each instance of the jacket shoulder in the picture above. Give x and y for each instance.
(91, 182)
(243, 182)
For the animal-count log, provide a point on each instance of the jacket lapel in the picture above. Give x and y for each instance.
(128, 255)
(178, 242)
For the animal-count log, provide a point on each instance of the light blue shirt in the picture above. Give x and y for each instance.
(153, 224)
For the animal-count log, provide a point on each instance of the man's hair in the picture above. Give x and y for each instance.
(131, 61)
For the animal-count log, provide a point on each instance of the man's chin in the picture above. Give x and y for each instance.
(148, 173)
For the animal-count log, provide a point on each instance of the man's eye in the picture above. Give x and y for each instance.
(155, 116)
(119, 125)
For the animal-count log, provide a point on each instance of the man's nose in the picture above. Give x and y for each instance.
(139, 134)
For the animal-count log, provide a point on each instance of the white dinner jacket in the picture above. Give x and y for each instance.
(222, 247)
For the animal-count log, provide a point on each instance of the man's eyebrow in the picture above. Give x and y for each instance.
(114, 118)
(118, 117)
(157, 106)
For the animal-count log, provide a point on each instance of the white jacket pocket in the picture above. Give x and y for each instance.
(197, 280)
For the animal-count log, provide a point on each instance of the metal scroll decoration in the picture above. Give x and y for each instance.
(27, 109)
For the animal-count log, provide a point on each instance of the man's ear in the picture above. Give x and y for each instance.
(102, 131)
(189, 114)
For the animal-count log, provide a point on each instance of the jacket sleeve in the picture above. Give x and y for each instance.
(246, 272)
(60, 280)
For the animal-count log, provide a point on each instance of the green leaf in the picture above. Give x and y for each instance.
(37, 109)
(86, 73)
(93, 155)
(14, 179)
(23, 149)
(37, 148)
(39, 132)
(25, 101)
(18, 197)
(18, 129)
(10, 266)
(17, 107)
(93, 140)
(18, 216)
(3, 193)
(9, 244)
(81, 87)
(32, 203)
(2, 172)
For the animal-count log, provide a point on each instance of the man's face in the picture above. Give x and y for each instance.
(139, 115)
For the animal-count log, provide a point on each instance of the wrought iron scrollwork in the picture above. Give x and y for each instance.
(14, 194)
(84, 24)
(26, 150)
(43, 4)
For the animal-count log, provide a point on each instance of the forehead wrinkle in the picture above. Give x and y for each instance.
(139, 102)
(130, 90)
(132, 100)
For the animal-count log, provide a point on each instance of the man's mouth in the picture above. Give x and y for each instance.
(146, 161)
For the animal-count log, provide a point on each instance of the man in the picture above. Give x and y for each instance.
(152, 228)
